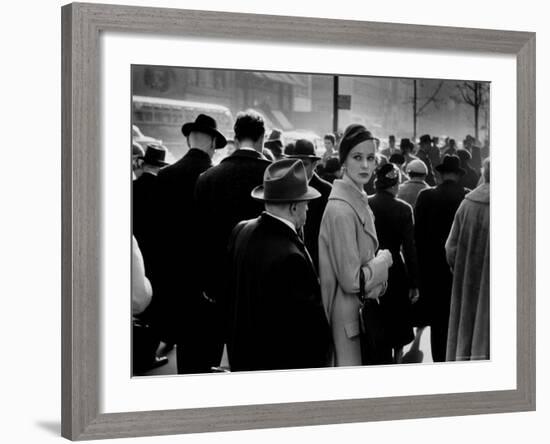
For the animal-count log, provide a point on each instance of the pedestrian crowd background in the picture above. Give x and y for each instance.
(287, 259)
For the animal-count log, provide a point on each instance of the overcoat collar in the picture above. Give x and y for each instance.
(341, 190)
(251, 154)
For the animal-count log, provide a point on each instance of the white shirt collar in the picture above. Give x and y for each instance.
(285, 221)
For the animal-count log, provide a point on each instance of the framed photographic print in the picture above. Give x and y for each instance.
(173, 84)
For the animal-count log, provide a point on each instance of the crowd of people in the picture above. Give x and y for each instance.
(288, 259)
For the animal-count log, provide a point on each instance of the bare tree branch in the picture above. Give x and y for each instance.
(430, 99)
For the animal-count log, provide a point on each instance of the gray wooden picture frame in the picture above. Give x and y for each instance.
(81, 168)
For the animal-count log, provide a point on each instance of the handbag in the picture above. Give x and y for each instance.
(375, 348)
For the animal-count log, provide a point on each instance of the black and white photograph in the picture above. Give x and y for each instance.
(285, 221)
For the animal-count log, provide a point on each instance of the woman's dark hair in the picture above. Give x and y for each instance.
(249, 125)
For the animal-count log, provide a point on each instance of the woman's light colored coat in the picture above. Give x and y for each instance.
(347, 245)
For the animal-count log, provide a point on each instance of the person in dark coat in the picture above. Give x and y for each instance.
(278, 320)
(471, 145)
(425, 153)
(434, 213)
(393, 219)
(274, 145)
(331, 170)
(304, 150)
(183, 310)
(144, 205)
(223, 199)
(146, 233)
(471, 178)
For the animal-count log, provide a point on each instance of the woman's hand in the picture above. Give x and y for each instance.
(385, 256)
(377, 291)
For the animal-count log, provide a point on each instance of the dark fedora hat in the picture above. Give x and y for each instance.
(303, 149)
(450, 164)
(205, 124)
(406, 143)
(425, 138)
(285, 181)
(275, 138)
(154, 155)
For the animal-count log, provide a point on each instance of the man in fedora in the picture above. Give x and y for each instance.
(145, 229)
(304, 150)
(144, 193)
(274, 144)
(277, 319)
(434, 213)
(182, 303)
(408, 191)
(223, 199)
(426, 154)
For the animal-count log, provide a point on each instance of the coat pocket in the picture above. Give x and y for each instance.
(352, 329)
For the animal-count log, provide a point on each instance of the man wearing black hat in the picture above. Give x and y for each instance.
(183, 307)
(145, 229)
(223, 199)
(425, 155)
(393, 219)
(304, 150)
(434, 213)
(278, 320)
(274, 144)
(144, 193)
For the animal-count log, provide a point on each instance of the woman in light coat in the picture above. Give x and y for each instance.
(347, 246)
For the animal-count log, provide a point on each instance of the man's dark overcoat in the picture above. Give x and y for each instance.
(177, 221)
(315, 212)
(393, 219)
(277, 317)
(434, 213)
(223, 199)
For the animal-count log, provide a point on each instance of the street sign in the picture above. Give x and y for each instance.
(344, 101)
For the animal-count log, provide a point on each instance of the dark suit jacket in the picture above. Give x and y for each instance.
(393, 219)
(278, 320)
(315, 211)
(434, 213)
(177, 289)
(223, 199)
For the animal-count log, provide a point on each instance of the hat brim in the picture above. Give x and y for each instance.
(154, 162)
(258, 193)
(189, 127)
(442, 169)
(277, 142)
(302, 156)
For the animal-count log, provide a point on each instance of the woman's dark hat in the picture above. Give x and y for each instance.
(205, 124)
(386, 176)
(353, 135)
(450, 164)
(154, 155)
(303, 149)
(285, 181)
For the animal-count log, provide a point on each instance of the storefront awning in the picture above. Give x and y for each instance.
(289, 79)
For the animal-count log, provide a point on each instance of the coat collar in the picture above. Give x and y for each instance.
(250, 154)
(342, 190)
(268, 219)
